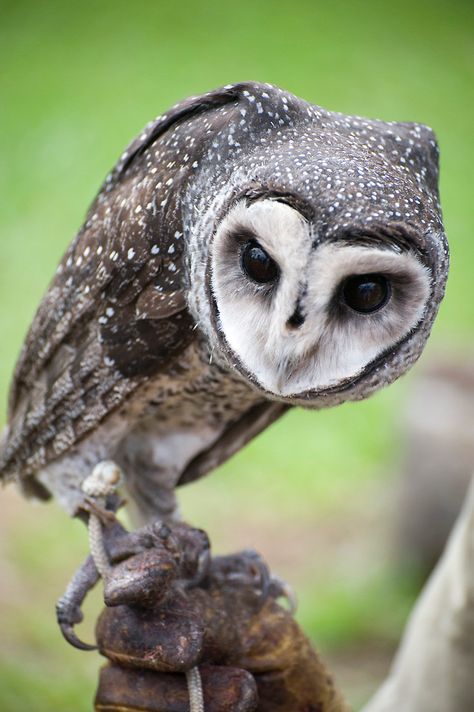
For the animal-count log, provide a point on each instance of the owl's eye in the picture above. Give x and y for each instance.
(366, 293)
(257, 264)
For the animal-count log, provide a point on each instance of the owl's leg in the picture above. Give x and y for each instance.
(165, 554)
(152, 574)
(121, 545)
(102, 482)
(68, 608)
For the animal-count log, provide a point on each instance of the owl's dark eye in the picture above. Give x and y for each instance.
(366, 293)
(257, 264)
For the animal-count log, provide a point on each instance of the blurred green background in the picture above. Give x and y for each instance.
(77, 82)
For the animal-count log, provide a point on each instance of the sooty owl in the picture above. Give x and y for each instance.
(248, 253)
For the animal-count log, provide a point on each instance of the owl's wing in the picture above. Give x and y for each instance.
(233, 439)
(83, 357)
(115, 312)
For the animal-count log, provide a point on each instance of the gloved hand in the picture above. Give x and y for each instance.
(251, 654)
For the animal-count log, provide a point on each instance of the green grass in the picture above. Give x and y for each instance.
(77, 81)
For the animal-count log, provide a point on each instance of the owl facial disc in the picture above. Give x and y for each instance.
(302, 314)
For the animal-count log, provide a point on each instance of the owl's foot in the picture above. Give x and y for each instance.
(244, 570)
(141, 568)
(68, 608)
(248, 569)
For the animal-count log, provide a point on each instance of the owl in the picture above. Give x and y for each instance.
(249, 252)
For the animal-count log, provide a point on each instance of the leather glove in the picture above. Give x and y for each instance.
(251, 654)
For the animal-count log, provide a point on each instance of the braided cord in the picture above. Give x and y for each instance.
(96, 544)
(196, 698)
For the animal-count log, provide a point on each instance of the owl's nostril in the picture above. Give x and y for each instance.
(296, 319)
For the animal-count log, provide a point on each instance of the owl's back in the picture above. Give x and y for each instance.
(116, 312)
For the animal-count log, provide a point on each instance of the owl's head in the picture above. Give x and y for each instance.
(309, 244)
(326, 273)
(301, 317)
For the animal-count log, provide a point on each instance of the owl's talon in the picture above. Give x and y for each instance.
(70, 636)
(262, 576)
(281, 589)
(203, 567)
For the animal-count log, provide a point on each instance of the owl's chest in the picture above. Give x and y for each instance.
(180, 413)
(196, 392)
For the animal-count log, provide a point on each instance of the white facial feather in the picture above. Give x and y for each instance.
(333, 343)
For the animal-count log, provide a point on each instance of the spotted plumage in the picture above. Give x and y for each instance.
(156, 347)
